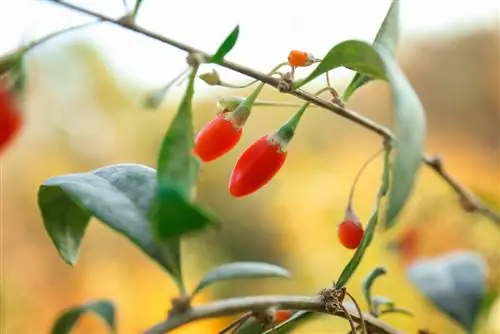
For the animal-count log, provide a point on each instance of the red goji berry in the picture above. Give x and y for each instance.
(300, 58)
(218, 137)
(282, 316)
(10, 117)
(350, 233)
(256, 166)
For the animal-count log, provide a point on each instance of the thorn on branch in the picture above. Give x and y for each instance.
(127, 20)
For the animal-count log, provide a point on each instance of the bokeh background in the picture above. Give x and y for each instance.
(83, 110)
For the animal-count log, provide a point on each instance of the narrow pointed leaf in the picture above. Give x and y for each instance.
(368, 283)
(409, 132)
(355, 55)
(455, 283)
(389, 307)
(177, 166)
(118, 195)
(227, 45)
(68, 319)
(353, 264)
(240, 270)
(173, 213)
(387, 37)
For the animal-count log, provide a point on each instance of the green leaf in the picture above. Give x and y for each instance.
(409, 133)
(177, 166)
(353, 264)
(355, 55)
(67, 320)
(387, 37)
(368, 283)
(173, 213)
(177, 216)
(454, 282)
(240, 270)
(226, 46)
(118, 195)
(390, 307)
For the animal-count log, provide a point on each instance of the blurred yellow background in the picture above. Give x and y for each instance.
(82, 115)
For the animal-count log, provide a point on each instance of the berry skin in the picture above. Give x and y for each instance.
(300, 58)
(257, 166)
(217, 138)
(10, 118)
(282, 316)
(350, 233)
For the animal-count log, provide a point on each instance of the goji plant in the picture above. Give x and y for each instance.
(155, 208)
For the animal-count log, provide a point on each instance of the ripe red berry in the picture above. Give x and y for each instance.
(218, 137)
(10, 117)
(350, 233)
(256, 166)
(282, 316)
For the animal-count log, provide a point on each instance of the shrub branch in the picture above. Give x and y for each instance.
(468, 200)
(237, 305)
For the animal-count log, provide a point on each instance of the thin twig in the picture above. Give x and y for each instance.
(349, 318)
(237, 305)
(466, 196)
(362, 321)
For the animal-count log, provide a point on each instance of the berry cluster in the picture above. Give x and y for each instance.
(263, 159)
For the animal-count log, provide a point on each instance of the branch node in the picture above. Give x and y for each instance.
(285, 84)
(195, 59)
(179, 305)
(332, 298)
(436, 162)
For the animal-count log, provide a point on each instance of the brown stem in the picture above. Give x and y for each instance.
(237, 305)
(475, 204)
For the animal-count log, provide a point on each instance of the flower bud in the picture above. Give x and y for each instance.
(227, 104)
(211, 78)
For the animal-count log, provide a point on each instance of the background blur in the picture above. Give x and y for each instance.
(82, 111)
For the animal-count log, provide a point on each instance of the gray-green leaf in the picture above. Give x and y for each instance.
(355, 55)
(240, 270)
(387, 36)
(409, 132)
(226, 46)
(368, 283)
(67, 320)
(455, 283)
(118, 195)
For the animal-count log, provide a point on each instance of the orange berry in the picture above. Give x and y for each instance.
(298, 58)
